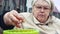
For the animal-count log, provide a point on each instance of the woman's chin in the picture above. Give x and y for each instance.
(41, 18)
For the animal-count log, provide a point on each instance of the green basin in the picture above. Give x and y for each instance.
(21, 31)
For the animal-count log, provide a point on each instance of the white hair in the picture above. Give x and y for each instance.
(48, 1)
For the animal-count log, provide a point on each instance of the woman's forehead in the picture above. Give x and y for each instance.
(42, 2)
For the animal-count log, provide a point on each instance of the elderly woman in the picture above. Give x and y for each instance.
(41, 18)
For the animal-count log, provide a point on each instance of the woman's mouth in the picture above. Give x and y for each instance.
(41, 15)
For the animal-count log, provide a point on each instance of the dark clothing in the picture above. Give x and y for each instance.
(3, 10)
(2, 24)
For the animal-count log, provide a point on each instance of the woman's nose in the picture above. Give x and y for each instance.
(42, 10)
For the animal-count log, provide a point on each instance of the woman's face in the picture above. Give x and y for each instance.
(41, 10)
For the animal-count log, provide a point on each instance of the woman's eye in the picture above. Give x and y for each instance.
(46, 8)
(39, 7)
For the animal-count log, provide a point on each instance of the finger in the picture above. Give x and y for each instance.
(13, 18)
(16, 14)
(17, 25)
(14, 23)
(10, 22)
(7, 20)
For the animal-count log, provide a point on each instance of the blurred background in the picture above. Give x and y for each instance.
(25, 6)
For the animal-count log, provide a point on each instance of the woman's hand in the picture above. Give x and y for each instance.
(13, 18)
